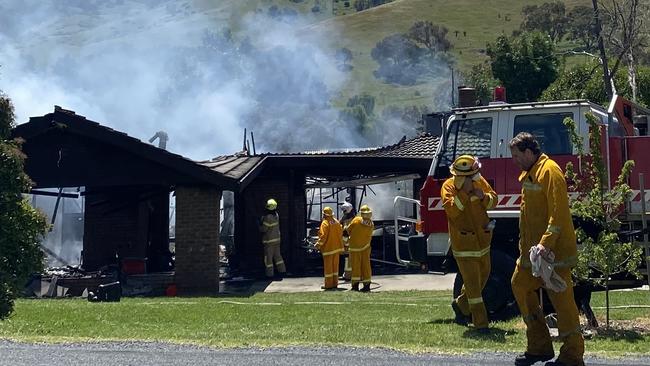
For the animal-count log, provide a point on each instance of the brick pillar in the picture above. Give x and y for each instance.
(197, 240)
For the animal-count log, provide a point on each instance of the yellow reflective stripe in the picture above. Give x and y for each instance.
(279, 262)
(474, 300)
(333, 252)
(458, 204)
(270, 241)
(473, 198)
(565, 334)
(531, 186)
(269, 265)
(356, 278)
(270, 224)
(568, 262)
(491, 202)
(359, 249)
(470, 253)
(331, 274)
(553, 229)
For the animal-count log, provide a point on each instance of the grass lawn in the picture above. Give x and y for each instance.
(414, 321)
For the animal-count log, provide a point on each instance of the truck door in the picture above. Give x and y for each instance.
(548, 128)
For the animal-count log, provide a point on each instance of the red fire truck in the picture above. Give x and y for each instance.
(485, 131)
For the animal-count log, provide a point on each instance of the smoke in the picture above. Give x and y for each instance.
(144, 66)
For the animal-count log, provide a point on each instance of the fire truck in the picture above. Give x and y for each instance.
(484, 132)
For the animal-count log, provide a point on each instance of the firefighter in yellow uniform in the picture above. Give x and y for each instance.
(466, 197)
(360, 230)
(270, 228)
(330, 244)
(545, 222)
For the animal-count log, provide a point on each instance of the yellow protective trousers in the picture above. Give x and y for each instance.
(271, 255)
(331, 269)
(360, 260)
(524, 287)
(475, 272)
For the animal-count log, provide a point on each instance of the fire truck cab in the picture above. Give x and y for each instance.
(485, 132)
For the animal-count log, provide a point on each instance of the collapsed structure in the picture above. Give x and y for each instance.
(126, 187)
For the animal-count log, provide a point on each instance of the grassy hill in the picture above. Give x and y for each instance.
(471, 23)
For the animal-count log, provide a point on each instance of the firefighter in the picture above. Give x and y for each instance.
(545, 222)
(330, 244)
(270, 228)
(466, 197)
(360, 231)
(348, 214)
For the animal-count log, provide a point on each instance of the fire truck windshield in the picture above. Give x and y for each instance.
(470, 136)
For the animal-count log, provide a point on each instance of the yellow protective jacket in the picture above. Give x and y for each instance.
(360, 231)
(467, 218)
(545, 215)
(270, 228)
(330, 236)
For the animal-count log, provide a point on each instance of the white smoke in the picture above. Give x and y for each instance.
(144, 66)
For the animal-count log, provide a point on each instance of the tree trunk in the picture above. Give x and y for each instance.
(631, 74)
(607, 303)
(607, 80)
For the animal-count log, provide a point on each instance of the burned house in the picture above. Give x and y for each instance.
(289, 178)
(127, 184)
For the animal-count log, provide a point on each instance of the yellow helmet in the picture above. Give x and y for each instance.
(327, 211)
(271, 204)
(365, 210)
(465, 165)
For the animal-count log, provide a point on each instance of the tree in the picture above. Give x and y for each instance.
(581, 27)
(21, 226)
(481, 78)
(601, 251)
(399, 60)
(585, 82)
(619, 29)
(343, 57)
(526, 64)
(548, 18)
(430, 36)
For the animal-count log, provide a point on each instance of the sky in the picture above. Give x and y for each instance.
(143, 66)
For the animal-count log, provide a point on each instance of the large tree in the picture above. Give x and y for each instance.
(618, 28)
(21, 227)
(581, 27)
(526, 64)
(585, 81)
(431, 36)
(549, 18)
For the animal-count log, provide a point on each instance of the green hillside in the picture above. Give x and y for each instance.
(475, 21)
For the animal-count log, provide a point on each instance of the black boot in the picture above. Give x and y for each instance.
(527, 359)
(355, 286)
(459, 317)
(366, 287)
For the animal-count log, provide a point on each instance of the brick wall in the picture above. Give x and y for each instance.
(197, 240)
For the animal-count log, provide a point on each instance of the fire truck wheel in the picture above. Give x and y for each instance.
(497, 294)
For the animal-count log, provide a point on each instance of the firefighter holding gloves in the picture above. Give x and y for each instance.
(330, 244)
(360, 230)
(270, 229)
(466, 197)
(545, 223)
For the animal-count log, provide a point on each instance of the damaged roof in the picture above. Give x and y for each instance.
(69, 135)
(406, 154)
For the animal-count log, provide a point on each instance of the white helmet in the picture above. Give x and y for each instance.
(346, 207)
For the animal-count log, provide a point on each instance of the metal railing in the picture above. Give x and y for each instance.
(397, 218)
